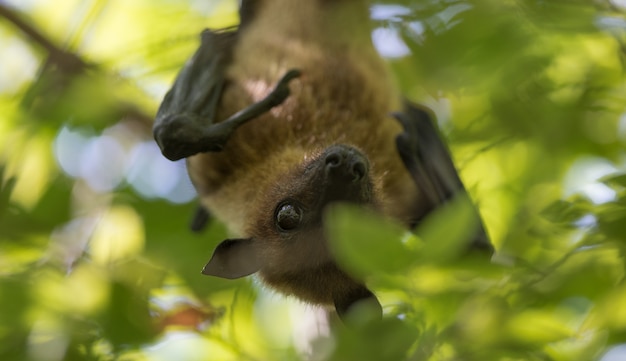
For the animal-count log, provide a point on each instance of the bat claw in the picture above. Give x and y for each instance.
(178, 136)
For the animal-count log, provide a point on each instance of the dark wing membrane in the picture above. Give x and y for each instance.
(191, 104)
(428, 161)
(247, 11)
(199, 84)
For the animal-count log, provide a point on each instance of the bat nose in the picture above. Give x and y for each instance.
(346, 163)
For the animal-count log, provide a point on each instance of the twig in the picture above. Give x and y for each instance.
(67, 62)
(15, 19)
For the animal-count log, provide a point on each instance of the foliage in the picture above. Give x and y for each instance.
(96, 262)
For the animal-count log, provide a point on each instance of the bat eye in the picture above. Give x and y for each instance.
(288, 216)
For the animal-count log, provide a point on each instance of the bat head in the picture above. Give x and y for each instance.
(287, 242)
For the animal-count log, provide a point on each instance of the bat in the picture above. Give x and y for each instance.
(286, 114)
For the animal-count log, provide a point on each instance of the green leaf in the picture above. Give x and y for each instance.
(562, 211)
(448, 231)
(127, 319)
(615, 180)
(365, 243)
(6, 187)
(612, 219)
(389, 339)
(15, 303)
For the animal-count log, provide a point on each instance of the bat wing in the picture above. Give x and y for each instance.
(190, 105)
(183, 123)
(428, 161)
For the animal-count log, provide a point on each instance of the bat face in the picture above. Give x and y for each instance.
(287, 243)
(293, 234)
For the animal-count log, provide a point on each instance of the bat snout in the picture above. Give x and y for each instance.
(345, 164)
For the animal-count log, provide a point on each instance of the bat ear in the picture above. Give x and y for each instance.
(233, 258)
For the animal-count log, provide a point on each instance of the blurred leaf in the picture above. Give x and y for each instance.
(127, 321)
(52, 210)
(615, 180)
(6, 186)
(389, 339)
(13, 321)
(365, 243)
(565, 212)
(448, 230)
(612, 219)
(538, 327)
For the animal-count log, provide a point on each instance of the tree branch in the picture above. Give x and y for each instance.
(12, 16)
(67, 62)
(63, 59)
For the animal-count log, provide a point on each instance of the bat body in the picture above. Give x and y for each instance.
(287, 114)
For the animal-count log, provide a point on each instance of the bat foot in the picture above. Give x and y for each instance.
(275, 98)
(200, 219)
(183, 135)
(178, 136)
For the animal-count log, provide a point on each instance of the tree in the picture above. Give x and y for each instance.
(95, 256)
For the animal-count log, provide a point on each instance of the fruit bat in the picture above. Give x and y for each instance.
(289, 112)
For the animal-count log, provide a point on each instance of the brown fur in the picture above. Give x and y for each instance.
(344, 96)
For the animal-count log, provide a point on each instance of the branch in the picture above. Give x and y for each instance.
(32, 33)
(67, 62)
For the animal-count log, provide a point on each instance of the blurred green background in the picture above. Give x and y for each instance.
(97, 262)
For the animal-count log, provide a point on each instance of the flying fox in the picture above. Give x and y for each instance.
(289, 112)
